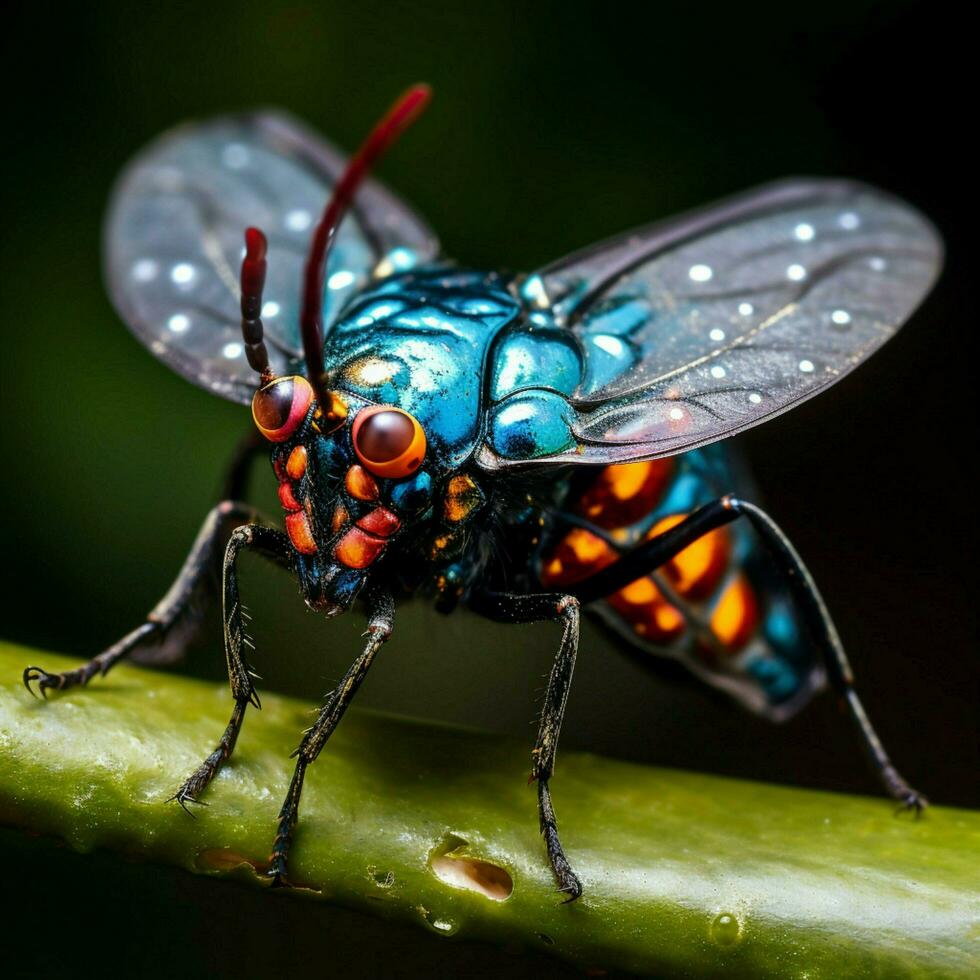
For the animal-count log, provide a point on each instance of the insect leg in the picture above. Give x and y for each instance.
(176, 613)
(381, 616)
(654, 553)
(274, 545)
(516, 608)
(824, 631)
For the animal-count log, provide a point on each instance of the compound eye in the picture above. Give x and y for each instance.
(280, 407)
(388, 441)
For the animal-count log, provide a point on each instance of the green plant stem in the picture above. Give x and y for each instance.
(684, 874)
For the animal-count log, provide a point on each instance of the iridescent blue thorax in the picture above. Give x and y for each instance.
(421, 341)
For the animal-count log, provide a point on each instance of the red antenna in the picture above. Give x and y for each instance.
(253, 282)
(398, 118)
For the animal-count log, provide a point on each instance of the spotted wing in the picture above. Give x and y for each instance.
(683, 333)
(174, 237)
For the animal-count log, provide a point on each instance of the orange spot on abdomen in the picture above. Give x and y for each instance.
(624, 493)
(644, 607)
(581, 553)
(696, 571)
(736, 614)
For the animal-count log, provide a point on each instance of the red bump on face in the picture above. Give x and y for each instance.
(380, 521)
(287, 498)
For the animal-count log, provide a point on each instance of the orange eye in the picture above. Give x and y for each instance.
(280, 407)
(388, 441)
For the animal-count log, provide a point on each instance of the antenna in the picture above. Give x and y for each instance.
(253, 282)
(398, 118)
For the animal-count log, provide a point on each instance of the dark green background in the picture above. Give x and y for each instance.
(553, 126)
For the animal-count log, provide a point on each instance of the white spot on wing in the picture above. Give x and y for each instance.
(298, 220)
(700, 273)
(183, 273)
(145, 270)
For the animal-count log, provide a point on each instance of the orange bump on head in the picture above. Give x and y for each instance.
(356, 549)
(463, 497)
(296, 464)
(298, 529)
(360, 484)
(339, 519)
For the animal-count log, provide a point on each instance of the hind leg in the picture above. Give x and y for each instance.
(652, 554)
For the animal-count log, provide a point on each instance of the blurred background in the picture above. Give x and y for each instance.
(553, 126)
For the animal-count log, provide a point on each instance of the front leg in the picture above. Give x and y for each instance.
(381, 617)
(274, 545)
(174, 618)
(515, 608)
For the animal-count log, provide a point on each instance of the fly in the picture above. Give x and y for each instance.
(423, 416)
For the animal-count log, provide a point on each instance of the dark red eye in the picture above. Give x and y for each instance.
(280, 407)
(388, 441)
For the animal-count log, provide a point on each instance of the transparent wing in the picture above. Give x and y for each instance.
(174, 238)
(690, 331)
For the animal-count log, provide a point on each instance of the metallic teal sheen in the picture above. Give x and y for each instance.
(531, 425)
(538, 357)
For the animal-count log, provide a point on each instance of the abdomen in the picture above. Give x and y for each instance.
(718, 607)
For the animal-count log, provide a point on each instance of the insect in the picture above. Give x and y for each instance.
(524, 445)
